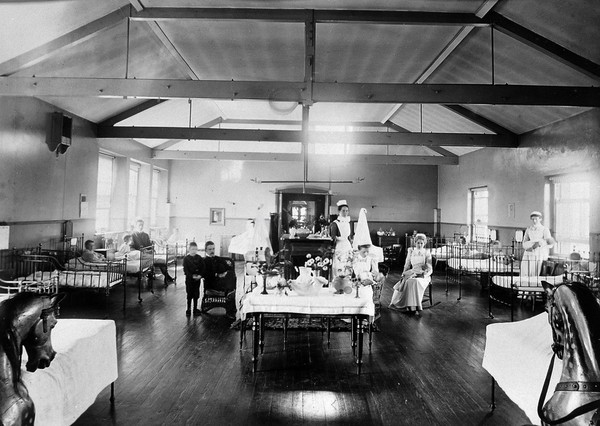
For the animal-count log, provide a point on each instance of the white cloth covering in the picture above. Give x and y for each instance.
(255, 236)
(85, 364)
(362, 236)
(517, 355)
(526, 283)
(325, 303)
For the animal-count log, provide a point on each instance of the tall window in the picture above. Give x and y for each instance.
(104, 191)
(154, 197)
(478, 198)
(570, 212)
(134, 175)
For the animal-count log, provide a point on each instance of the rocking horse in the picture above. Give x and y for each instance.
(574, 314)
(27, 319)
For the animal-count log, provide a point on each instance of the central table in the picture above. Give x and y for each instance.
(326, 304)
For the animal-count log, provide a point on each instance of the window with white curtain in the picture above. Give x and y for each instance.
(134, 177)
(104, 192)
(478, 202)
(154, 197)
(569, 211)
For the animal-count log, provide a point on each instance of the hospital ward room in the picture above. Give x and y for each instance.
(266, 212)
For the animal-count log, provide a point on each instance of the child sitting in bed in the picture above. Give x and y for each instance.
(89, 255)
(193, 267)
(125, 249)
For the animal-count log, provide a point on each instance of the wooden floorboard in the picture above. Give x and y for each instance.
(175, 370)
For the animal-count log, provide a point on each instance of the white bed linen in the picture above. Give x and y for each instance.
(85, 364)
(517, 355)
(481, 265)
(325, 303)
(88, 279)
(526, 283)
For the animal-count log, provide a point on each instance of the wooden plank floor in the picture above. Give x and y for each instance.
(175, 370)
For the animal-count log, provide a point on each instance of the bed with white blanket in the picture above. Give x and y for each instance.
(517, 355)
(85, 364)
(526, 283)
(483, 263)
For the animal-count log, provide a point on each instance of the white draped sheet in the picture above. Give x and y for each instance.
(517, 355)
(85, 364)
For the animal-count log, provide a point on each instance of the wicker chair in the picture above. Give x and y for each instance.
(213, 298)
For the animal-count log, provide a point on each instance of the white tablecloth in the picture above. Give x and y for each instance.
(325, 303)
(85, 364)
(517, 355)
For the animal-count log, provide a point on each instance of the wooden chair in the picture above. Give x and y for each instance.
(428, 295)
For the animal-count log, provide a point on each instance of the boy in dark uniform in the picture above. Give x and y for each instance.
(193, 267)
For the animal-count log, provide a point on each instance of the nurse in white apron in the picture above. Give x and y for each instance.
(537, 242)
(341, 232)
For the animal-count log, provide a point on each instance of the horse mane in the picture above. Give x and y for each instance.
(589, 311)
(9, 310)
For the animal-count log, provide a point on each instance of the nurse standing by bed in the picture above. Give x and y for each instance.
(537, 242)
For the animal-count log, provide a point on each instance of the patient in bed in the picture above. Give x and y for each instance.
(125, 249)
(90, 256)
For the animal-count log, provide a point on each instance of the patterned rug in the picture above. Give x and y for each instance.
(311, 324)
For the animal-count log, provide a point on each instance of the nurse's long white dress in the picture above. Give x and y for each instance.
(408, 292)
(531, 263)
(342, 246)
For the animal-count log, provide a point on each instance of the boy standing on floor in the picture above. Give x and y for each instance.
(193, 267)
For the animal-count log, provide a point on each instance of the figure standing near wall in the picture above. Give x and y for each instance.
(537, 242)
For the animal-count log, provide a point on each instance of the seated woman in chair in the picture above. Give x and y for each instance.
(408, 292)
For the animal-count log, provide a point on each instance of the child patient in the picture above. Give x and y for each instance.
(193, 267)
(125, 249)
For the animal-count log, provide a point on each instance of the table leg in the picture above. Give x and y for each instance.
(255, 338)
(285, 330)
(242, 331)
(371, 326)
(353, 338)
(360, 344)
(328, 332)
(261, 322)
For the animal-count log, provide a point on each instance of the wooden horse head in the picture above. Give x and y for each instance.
(574, 314)
(27, 319)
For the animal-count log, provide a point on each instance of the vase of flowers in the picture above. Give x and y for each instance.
(318, 265)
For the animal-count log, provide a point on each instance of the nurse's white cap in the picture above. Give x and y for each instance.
(342, 203)
(535, 213)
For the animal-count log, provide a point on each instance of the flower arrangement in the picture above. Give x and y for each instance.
(344, 263)
(317, 263)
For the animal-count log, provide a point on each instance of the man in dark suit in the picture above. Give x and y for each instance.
(141, 239)
(219, 275)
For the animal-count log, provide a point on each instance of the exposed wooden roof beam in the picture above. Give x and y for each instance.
(172, 142)
(295, 91)
(480, 120)
(111, 121)
(485, 7)
(347, 159)
(299, 15)
(137, 5)
(368, 138)
(182, 63)
(65, 41)
(396, 127)
(555, 50)
(442, 151)
(258, 122)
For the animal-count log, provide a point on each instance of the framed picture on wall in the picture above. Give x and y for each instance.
(216, 216)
